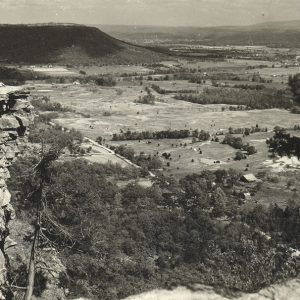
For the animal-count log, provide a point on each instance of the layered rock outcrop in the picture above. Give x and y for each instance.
(15, 117)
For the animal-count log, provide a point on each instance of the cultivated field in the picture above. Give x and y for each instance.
(50, 71)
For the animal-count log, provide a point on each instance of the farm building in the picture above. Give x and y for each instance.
(249, 178)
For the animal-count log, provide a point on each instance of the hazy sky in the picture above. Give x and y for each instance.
(149, 12)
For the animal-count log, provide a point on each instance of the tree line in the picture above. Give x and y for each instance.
(146, 162)
(201, 135)
(247, 130)
(163, 91)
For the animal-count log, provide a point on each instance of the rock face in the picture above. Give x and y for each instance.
(289, 290)
(15, 116)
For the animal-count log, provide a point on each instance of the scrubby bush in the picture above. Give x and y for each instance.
(45, 104)
(239, 155)
(147, 99)
(107, 114)
(105, 81)
(47, 117)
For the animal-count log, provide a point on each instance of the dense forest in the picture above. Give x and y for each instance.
(119, 241)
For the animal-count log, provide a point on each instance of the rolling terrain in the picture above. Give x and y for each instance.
(273, 34)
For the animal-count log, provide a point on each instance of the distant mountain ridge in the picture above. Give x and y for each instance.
(65, 43)
(274, 34)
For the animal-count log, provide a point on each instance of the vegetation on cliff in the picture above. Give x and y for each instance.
(117, 241)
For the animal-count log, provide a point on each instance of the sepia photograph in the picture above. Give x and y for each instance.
(150, 150)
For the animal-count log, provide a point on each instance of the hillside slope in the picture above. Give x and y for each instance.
(59, 43)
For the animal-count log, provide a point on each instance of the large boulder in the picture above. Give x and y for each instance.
(8, 122)
(5, 196)
(4, 173)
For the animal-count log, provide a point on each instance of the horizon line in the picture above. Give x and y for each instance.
(150, 25)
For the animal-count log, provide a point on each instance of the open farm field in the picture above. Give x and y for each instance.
(278, 74)
(52, 71)
(169, 113)
(249, 62)
(103, 111)
(186, 157)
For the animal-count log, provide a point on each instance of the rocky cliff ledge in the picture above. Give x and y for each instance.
(289, 290)
(15, 117)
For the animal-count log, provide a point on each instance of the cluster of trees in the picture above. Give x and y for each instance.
(250, 86)
(226, 76)
(254, 99)
(261, 66)
(162, 91)
(116, 242)
(237, 143)
(13, 76)
(201, 135)
(105, 81)
(146, 162)
(247, 131)
(282, 143)
(160, 78)
(101, 80)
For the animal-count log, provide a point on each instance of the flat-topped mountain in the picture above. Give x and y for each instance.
(65, 43)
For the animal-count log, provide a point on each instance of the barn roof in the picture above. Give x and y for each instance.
(249, 177)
